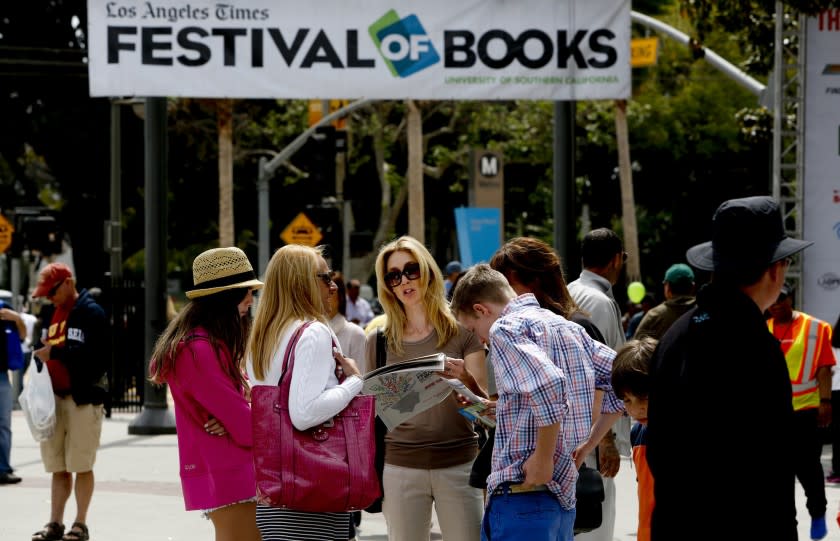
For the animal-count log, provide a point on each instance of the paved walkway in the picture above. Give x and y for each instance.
(138, 495)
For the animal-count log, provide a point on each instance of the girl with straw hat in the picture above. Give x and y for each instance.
(199, 355)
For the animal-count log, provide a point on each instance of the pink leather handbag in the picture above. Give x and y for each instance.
(327, 468)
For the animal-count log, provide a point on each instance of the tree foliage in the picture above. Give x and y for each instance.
(752, 21)
(696, 139)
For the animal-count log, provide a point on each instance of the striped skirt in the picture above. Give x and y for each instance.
(277, 524)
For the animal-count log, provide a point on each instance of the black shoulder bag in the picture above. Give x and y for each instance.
(380, 428)
(590, 494)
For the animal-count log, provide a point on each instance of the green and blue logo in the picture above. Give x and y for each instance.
(403, 44)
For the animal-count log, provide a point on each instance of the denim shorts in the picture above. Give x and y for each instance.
(529, 516)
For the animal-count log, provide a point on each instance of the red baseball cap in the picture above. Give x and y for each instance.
(49, 277)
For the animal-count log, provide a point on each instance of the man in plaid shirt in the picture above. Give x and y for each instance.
(542, 417)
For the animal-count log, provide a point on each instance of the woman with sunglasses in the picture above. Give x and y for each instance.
(427, 458)
(298, 287)
(199, 355)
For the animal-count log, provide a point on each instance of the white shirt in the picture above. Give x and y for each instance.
(593, 293)
(315, 394)
(360, 310)
(352, 340)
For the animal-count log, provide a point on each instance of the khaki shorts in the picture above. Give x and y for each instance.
(77, 430)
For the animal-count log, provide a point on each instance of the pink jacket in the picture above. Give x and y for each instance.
(215, 470)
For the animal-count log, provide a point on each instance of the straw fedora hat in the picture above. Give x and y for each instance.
(220, 269)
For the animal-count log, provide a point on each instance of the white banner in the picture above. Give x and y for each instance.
(435, 49)
(821, 197)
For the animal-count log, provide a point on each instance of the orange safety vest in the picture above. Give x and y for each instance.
(802, 363)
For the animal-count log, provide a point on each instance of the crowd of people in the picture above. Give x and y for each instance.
(562, 373)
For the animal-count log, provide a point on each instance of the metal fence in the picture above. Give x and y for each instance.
(124, 303)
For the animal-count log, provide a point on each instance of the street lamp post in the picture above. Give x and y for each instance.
(155, 417)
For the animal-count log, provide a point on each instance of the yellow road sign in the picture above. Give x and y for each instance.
(6, 231)
(643, 52)
(316, 112)
(301, 230)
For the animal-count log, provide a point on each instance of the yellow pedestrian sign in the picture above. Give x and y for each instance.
(643, 52)
(301, 230)
(6, 231)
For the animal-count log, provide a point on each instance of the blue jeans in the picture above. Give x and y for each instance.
(5, 422)
(530, 516)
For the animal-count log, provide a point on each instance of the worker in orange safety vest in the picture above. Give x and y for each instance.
(806, 344)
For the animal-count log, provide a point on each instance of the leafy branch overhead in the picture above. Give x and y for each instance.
(751, 21)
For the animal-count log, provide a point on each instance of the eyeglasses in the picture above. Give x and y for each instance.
(410, 271)
(326, 277)
(54, 289)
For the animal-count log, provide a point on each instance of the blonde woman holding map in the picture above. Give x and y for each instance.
(427, 458)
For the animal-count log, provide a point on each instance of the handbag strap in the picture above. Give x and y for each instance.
(289, 363)
(286, 429)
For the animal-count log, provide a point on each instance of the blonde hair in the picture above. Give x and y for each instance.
(431, 285)
(481, 284)
(291, 293)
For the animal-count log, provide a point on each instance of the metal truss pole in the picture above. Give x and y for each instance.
(788, 123)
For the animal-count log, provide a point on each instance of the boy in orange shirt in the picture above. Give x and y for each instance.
(631, 383)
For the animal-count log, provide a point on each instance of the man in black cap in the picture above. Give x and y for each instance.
(720, 412)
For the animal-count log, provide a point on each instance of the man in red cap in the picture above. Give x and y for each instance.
(76, 350)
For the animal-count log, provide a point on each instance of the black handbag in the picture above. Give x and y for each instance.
(379, 429)
(590, 495)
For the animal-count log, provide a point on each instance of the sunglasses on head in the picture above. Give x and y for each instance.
(326, 277)
(410, 271)
(54, 289)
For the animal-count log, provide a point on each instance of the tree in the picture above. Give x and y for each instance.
(224, 116)
(752, 21)
(52, 126)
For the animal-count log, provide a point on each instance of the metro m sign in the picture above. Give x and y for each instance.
(487, 189)
(489, 165)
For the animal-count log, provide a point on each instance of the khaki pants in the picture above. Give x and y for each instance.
(410, 492)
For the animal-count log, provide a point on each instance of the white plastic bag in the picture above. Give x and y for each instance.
(38, 402)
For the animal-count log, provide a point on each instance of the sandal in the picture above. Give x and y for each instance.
(53, 531)
(78, 532)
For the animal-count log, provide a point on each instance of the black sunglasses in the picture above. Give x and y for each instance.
(54, 289)
(410, 271)
(326, 277)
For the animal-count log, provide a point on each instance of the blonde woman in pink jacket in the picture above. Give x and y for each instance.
(199, 355)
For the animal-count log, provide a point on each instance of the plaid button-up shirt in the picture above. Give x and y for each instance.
(547, 369)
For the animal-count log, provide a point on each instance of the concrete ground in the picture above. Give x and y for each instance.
(138, 494)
